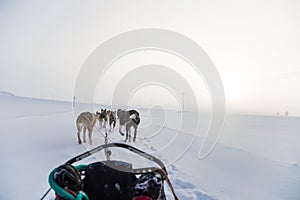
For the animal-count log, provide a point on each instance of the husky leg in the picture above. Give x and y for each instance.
(129, 135)
(127, 132)
(114, 124)
(126, 129)
(108, 122)
(135, 131)
(90, 135)
(120, 130)
(78, 135)
(84, 131)
(110, 125)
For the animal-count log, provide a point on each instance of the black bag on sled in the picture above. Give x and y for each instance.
(109, 179)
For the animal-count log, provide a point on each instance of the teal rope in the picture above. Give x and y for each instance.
(63, 193)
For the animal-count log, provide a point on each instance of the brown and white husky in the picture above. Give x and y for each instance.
(86, 120)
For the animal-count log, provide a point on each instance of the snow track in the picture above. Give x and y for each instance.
(261, 162)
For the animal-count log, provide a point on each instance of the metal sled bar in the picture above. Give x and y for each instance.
(121, 145)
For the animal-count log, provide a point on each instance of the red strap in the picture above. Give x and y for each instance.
(142, 198)
(57, 197)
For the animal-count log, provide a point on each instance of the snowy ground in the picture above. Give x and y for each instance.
(257, 157)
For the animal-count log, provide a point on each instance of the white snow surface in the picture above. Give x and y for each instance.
(257, 157)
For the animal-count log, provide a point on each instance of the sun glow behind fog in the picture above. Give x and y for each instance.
(233, 87)
(255, 48)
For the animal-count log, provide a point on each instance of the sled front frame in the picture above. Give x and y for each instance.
(120, 145)
(81, 195)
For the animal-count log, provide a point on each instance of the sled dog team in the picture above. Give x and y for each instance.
(108, 118)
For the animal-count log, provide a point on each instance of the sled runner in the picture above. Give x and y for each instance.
(110, 179)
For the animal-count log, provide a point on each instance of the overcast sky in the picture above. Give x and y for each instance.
(255, 45)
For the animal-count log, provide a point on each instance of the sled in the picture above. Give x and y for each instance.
(109, 179)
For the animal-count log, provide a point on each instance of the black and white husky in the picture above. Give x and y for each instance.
(107, 118)
(128, 119)
(112, 119)
(102, 118)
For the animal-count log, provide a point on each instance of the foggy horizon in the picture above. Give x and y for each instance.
(255, 49)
